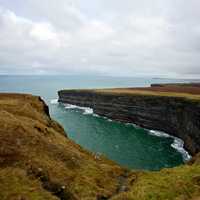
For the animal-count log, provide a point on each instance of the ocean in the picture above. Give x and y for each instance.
(127, 144)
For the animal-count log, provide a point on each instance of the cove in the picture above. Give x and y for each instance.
(130, 146)
(127, 145)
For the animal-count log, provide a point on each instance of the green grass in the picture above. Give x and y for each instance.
(180, 183)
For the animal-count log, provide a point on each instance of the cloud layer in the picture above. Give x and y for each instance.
(105, 37)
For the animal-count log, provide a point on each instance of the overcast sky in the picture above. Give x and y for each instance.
(159, 38)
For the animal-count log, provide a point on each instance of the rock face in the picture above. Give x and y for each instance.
(177, 116)
(39, 162)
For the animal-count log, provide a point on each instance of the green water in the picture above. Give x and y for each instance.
(128, 145)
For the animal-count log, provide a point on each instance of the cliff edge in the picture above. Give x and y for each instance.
(38, 162)
(171, 108)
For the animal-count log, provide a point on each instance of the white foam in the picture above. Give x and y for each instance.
(54, 101)
(159, 134)
(87, 110)
(69, 106)
(177, 144)
(95, 115)
(131, 124)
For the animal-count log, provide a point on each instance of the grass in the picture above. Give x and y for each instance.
(38, 162)
(15, 184)
(138, 91)
(36, 153)
(148, 93)
(180, 183)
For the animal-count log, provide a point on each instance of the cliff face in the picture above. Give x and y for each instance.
(177, 116)
(39, 162)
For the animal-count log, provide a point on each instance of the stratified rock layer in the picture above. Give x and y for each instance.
(174, 114)
(39, 162)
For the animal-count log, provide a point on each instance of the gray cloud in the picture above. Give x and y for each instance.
(100, 37)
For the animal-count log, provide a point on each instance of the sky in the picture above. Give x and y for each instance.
(157, 38)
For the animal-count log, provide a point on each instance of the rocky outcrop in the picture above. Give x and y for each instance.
(178, 116)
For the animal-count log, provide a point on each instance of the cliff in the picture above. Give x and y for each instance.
(39, 162)
(171, 109)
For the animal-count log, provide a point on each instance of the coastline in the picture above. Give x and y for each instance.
(175, 114)
(39, 161)
(178, 144)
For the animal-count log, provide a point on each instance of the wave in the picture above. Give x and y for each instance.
(177, 144)
(86, 110)
(69, 106)
(159, 134)
(131, 124)
(54, 101)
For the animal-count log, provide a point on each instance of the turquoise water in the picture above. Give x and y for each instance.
(129, 145)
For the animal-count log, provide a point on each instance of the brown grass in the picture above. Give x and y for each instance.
(35, 150)
(191, 91)
(39, 162)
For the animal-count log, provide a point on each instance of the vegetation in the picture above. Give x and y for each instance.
(180, 183)
(150, 93)
(38, 162)
(181, 90)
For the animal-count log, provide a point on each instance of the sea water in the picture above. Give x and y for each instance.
(127, 144)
